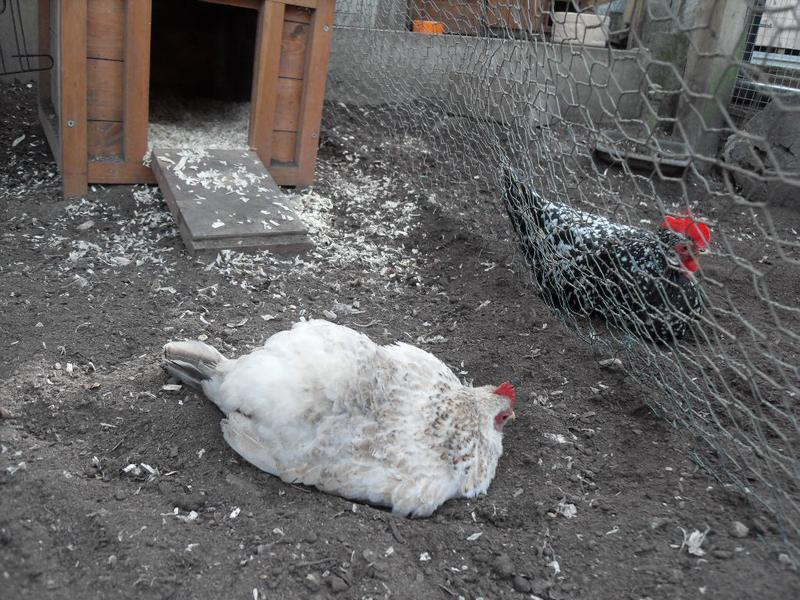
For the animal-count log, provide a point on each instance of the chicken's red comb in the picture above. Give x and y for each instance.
(699, 232)
(507, 389)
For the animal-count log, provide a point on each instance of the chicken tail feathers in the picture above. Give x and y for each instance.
(191, 362)
(521, 201)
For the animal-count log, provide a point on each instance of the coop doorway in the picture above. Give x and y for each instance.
(201, 75)
(226, 92)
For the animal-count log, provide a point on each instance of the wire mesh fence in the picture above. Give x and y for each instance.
(771, 56)
(647, 157)
(17, 53)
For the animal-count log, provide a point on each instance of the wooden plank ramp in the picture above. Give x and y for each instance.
(226, 199)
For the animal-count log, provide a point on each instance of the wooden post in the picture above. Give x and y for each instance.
(316, 74)
(632, 18)
(44, 49)
(265, 78)
(72, 116)
(48, 20)
(118, 91)
(138, 16)
(716, 46)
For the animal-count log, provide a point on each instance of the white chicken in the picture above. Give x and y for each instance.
(325, 406)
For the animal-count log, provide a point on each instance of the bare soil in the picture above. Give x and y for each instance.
(101, 468)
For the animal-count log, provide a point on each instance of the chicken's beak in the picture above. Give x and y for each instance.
(513, 416)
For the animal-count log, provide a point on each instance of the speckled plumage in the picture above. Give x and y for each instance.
(323, 405)
(587, 264)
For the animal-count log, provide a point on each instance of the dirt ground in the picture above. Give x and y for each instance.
(101, 468)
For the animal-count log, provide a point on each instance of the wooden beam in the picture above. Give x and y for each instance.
(304, 3)
(104, 140)
(51, 133)
(72, 122)
(297, 14)
(106, 29)
(316, 74)
(138, 17)
(55, 72)
(293, 48)
(105, 89)
(254, 4)
(284, 147)
(119, 172)
(633, 17)
(630, 7)
(44, 49)
(288, 104)
(265, 78)
(290, 174)
(45, 93)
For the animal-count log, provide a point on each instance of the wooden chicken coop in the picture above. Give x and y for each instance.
(113, 57)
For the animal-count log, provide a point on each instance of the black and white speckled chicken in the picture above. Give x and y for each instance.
(639, 280)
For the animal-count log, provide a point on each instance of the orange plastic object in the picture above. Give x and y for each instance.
(428, 27)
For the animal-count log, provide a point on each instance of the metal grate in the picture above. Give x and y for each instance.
(771, 58)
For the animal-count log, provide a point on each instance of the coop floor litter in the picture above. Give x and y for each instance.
(592, 499)
(200, 124)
